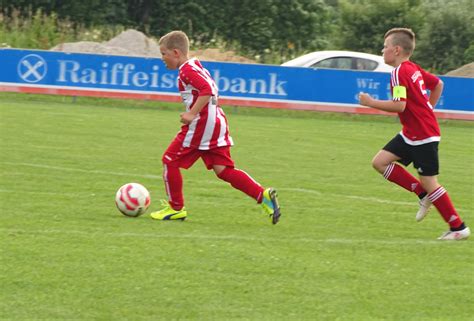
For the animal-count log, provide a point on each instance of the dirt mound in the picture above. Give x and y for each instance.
(128, 43)
(214, 54)
(464, 71)
(134, 43)
(90, 47)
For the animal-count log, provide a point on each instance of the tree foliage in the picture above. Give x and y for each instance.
(444, 28)
(364, 22)
(277, 30)
(446, 40)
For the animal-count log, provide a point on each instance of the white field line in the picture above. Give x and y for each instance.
(160, 235)
(22, 147)
(301, 190)
(379, 200)
(46, 193)
(355, 197)
(297, 190)
(67, 169)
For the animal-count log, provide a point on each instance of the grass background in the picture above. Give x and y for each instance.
(346, 248)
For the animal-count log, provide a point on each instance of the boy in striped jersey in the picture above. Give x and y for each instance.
(418, 141)
(204, 134)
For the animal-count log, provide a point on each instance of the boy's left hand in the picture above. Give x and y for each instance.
(365, 99)
(187, 117)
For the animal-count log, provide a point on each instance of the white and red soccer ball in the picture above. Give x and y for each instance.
(132, 199)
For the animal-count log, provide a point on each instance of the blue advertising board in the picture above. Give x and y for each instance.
(58, 72)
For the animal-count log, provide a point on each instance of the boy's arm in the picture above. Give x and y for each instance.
(434, 84)
(385, 105)
(188, 116)
(436, 93)
(203, 86)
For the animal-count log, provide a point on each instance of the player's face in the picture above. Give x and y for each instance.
(389, 51)
(169, 57)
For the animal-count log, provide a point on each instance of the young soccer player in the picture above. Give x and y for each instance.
(204, 134)
(418, 141)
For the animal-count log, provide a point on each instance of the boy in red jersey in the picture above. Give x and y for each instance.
(204, 134)
(418, 141)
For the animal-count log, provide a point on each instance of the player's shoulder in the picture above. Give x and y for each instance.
(185, 67)
(192, 63)
(404, 67)
(190, 66)
(186, 70)
(406, 70)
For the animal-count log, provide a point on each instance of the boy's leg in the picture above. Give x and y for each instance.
(245, 183)
(427, 164)
(384, 163)
(173, 209)
(445, 207)
(174, 158)
(174, 186)
(221, 162)
(457, 229)
(400, 176)
(241, 181)
(441, 200)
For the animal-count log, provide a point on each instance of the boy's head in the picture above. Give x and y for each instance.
(174, 47)
(398, 46)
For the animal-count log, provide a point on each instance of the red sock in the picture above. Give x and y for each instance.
(443, 204)
(174, 186)
(398, 175)
(243, 182)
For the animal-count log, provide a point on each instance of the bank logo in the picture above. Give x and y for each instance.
(32, 68)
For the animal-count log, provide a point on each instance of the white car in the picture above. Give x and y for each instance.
(340, 60)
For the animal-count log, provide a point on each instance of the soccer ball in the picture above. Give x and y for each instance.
(132, 199)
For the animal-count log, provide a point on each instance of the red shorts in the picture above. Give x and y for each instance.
(184, 157)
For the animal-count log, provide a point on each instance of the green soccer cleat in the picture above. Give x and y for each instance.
(168, 213)
(270, 204)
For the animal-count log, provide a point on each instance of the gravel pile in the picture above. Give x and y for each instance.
(464, 71)
(128, 43)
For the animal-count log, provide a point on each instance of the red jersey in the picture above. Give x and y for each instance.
(209, 129)
(418, 119)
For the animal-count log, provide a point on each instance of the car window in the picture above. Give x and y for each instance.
(336, 63)
(365, 64)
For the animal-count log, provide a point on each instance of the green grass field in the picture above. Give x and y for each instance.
(347, 247)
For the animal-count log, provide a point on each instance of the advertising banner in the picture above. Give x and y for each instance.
(49, 72)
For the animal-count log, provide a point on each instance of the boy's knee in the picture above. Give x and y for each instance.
(375, 163)
(219, 170)
(378, 165)
(222, 173)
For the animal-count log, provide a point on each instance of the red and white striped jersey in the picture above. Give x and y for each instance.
(418, 119)
(209, 129)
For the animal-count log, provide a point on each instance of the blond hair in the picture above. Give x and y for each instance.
(175, 40)
(403, 37)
